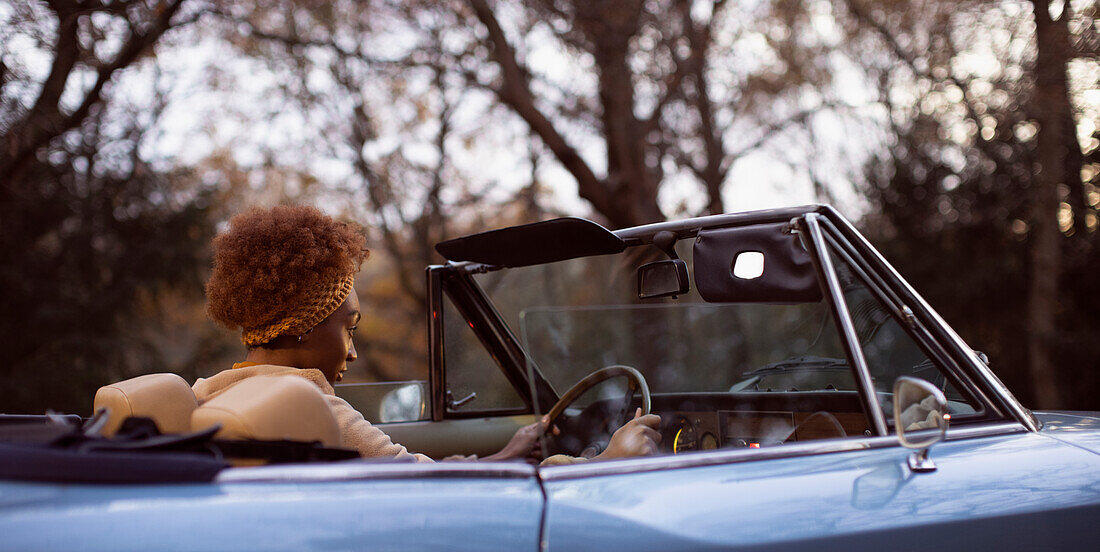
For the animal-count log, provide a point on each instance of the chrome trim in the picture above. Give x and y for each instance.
(362, 470)
(916, 330)
(919, 462)
(714, 221)
(984, 430)
(452, 404)
(848, 328)
(736, 456)
(925, 339)
(1022, 414)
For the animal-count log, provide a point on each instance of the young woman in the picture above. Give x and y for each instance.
(285, 278)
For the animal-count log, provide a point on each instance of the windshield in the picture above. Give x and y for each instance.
(576, 316)
(735, 373)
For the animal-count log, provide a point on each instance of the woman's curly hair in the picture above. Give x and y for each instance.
(272, 263)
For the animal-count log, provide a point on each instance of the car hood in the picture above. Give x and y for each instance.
(1081, 429)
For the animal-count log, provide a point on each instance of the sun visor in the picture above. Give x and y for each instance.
(536, 243)
(753, 264)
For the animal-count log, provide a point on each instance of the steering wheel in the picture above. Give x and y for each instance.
(589, 435)
(834, 424)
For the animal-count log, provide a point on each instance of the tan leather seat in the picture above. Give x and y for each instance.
(166, 398)
(270, 408)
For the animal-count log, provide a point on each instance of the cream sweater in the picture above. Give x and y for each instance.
(355, 431)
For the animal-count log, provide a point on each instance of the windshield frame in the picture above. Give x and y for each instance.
(822, 229)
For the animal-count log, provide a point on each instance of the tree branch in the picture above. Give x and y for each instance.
(45, 121)
(797, 118)
(298, 41)
(515, 92)
(692, 64)
(905, 57)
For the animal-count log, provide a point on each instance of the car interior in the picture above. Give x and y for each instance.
(771, 367)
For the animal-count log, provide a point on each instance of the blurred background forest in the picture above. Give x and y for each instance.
(961, 135)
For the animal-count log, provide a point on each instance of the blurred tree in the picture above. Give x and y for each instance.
(415, 117)
(89, 43)
(91, 230)
(668, 91)
(669, 102)
(985, 168)
(635, 98)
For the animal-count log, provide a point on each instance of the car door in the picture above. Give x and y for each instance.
(1012, 489)
(344, 506)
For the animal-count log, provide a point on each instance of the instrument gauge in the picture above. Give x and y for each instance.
(683, 437)
(708, 442)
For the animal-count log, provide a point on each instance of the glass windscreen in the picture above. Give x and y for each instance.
(691, 347)
(577, 316)
(721, 375)
(889, 350)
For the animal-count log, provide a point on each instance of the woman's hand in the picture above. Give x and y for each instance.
(524, 444)
(638, 437)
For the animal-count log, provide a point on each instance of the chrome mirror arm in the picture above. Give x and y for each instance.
(920, 462)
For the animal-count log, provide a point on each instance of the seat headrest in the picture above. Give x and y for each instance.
(270, 408)
(166, 398)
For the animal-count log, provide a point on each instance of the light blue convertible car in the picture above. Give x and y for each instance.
(810, 400)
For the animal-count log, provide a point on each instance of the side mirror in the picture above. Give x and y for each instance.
(405, 403)
(920, 419)
(388, 401)
(663, 279)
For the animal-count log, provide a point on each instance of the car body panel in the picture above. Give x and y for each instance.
(1009, 491)
(452, 513)
(1081, 429)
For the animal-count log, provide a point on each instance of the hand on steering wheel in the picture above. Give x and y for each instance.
(586, 437)
(639, 437)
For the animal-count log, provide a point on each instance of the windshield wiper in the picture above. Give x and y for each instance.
(801, 363)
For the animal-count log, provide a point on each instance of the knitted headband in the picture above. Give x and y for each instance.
(318, 303)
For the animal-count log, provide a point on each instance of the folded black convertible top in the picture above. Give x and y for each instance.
(44, 463)
(64, 449)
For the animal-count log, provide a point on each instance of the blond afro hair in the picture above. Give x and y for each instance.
(281, 271)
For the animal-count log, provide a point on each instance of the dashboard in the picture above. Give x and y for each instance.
(722, 420)
(689, 431)
(693, 422)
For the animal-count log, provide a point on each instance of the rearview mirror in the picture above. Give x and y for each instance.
(663, 279)
(920, 418)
